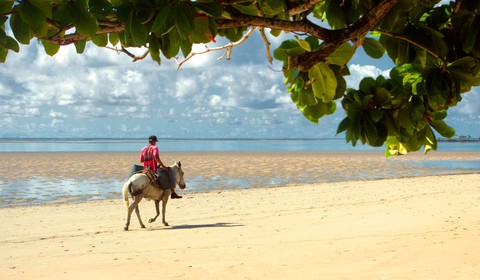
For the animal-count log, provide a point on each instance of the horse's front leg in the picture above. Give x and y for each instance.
(157, 208)
(164, 208)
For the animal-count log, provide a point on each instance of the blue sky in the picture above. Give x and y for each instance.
(104, 94)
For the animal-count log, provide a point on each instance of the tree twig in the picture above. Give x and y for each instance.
(125, 51)
(267, 45)
(227, 48)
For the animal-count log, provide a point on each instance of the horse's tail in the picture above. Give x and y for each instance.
(126, 190)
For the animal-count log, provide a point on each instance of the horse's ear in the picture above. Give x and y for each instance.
(180, 164)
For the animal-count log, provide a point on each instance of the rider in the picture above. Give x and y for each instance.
(150, 157)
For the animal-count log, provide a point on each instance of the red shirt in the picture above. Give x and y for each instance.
(147, 156)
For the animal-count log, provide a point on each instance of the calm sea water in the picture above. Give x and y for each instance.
(186, 145)
(39, 190)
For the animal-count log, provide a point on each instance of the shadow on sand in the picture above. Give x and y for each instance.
(203, 226)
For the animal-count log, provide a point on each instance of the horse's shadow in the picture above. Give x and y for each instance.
(202, 226)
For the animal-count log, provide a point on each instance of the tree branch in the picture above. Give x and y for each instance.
(104, 28)
(340, 36)
(292, 26)
(303, 8)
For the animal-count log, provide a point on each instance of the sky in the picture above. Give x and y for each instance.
(102, 94)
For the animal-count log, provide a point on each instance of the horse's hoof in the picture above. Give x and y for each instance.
(166, 224)
(151, 220)
(125, 228)
(143, 226)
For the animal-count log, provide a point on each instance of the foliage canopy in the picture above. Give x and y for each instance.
(435, 49)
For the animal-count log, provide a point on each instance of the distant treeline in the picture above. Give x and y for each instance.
(460, 139)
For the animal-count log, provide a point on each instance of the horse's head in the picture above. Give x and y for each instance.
(179, 175)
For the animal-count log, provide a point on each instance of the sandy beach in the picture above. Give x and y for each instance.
(423, 227)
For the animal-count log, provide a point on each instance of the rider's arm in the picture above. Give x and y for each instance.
(160, 163)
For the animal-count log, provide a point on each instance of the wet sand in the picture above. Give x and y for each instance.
(116, 165)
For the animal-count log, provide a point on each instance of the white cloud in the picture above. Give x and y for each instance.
(358, 72)
(104, 94)
(215, 101)
(470, 105)
(55, 114)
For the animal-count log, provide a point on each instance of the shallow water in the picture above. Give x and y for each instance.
(40, 190)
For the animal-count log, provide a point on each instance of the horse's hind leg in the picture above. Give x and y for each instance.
(129, 214)
(157, 208)
(137, 210)
(134, 206)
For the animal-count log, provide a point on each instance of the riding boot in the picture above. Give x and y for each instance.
(175, 195)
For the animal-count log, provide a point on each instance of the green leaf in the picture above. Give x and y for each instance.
(154, 48)
(403, 53)
(12, 44)
(250, 10)
(273, 8)
(3, 54)
(6, 6)
(367, 85)
(170, 44)
(44, 6)
(471, 33)
(100, 40)
(31, 14)
(183, 20)
(275, 32)
(324, 82)
(464, 79)
(373, 48)
(80, 46)
(65, 13)
(395, 147)
(50, 49)
(442, 128)
(304, 44)
(161, 18)
(210, 8)
(306, 98)
(113, 38)
(86, 23)
(20, 29)
(440, 115)
(466, 62)
(342, 54)
(186, 47)
(315, 112)
(335, 15)
(201, 28)
(344, 124)
(138, 30)
(430, 140)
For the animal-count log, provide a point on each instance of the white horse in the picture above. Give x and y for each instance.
(139, 186)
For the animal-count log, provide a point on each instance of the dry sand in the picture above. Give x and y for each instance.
(406, 228)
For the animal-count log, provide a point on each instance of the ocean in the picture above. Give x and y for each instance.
(40, 190)
(201, 145)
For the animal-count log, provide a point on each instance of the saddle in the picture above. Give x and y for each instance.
(162, 179)
(152, 177)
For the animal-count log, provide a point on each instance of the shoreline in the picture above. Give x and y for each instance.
(60, 176)
(408, 228)
(86, 198)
